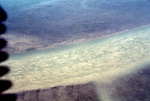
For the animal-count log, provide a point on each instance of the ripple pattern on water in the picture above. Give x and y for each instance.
(79, 63)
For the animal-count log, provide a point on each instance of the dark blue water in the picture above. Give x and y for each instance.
(56, 21)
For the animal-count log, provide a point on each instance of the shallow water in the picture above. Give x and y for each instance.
(101, 59)
(54, 43)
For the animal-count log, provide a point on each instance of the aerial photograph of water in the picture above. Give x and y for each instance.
(78, 50)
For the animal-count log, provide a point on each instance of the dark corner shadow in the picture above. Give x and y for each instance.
(133, 87)
(4, 84)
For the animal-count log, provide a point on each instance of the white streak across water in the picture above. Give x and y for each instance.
(89, 61)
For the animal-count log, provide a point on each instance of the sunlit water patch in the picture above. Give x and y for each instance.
(80, 63)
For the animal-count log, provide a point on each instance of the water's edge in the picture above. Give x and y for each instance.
(134, 86)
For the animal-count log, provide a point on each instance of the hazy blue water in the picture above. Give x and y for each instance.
(49, 23)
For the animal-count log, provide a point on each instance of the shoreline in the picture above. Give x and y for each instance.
(75, 42)
(126, 87)
(79, 92)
